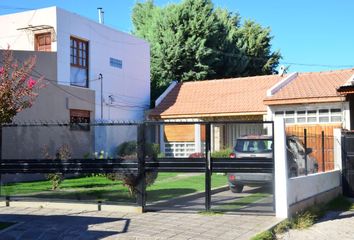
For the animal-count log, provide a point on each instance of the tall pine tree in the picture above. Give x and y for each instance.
(194, 41)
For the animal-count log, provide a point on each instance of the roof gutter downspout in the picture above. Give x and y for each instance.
(164, 94)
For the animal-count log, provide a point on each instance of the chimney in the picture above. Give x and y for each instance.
(100, 15)
(282, 70)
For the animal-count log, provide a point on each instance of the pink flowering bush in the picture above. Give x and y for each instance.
(18, 89)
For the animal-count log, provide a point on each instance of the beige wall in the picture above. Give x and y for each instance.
(52, 105)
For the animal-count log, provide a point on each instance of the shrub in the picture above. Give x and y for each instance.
(128, 151)
(224, 153)
(63, 153)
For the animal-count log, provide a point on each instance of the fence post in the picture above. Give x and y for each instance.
(141, 194)
(305, 145)
(207, 167)
(323, 152)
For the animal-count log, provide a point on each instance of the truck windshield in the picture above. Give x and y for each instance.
(254, 145)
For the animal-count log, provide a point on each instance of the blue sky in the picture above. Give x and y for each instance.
(308, 33)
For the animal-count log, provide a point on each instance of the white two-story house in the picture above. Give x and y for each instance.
(89, 55)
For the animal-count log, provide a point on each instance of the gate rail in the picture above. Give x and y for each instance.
(143, 164)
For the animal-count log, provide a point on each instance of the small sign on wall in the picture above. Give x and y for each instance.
(116, 63)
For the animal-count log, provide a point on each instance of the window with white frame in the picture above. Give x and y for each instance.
(322, 115)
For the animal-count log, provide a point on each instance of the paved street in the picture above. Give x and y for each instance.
(335, 225)
(49, 224)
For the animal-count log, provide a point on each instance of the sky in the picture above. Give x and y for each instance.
(312, 35)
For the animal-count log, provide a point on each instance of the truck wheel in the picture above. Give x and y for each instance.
(236, 189)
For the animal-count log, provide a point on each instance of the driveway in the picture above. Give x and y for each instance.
(222, 199)
(47, 224)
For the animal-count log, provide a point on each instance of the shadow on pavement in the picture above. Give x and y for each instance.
(333, 215)
(196, 202)
(61, 227)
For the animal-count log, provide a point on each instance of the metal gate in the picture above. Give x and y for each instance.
(348, 163)
(204, 164)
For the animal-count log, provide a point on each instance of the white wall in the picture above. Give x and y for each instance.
(300, 192)
(130, 86)
(304, 187)
(23, 39)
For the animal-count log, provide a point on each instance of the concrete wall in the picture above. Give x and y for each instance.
(52, 105)
(304, 187)
(296, 194)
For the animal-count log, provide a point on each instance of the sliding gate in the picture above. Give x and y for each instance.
(174, 180)
(203, 176)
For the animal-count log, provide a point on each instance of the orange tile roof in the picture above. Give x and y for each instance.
(223, 97)
(312, 87)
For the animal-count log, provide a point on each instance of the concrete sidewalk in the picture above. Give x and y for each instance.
(41, 223)
(335, 225)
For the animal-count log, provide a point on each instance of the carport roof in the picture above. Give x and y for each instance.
(212, 98)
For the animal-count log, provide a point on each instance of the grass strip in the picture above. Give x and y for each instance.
(99, 188)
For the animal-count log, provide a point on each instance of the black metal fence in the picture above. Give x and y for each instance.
(17, 142)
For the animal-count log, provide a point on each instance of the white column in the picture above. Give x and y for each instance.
(337, 148)
(280, 169)
(162, 138)
(197, 138)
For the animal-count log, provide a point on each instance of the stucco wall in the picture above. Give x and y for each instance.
(129, 86)
(126, 90)
(23, 39)
(304, 187)
(52, 105)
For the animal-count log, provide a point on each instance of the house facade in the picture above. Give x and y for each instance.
(89, 55)
(237, 99)
(310, 101)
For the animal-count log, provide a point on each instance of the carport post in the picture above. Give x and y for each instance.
(207, 167)
(141, 194)
(281, 169)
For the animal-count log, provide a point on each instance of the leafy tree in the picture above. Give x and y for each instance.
(193, 41)
(18, 89)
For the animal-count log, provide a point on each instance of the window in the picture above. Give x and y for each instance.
(312, 116)
(336, 115)
(43, 42)
(323, 115)
(77, 117)
(301, 116)
(290, 116)
(78, 62)
(115, 63)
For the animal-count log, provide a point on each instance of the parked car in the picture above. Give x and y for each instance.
(260, 146)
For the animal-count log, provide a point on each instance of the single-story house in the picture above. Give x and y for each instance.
(304, 100)
(236, 99)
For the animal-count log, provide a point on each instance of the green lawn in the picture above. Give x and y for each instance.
(4, 225)
(166, 186)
